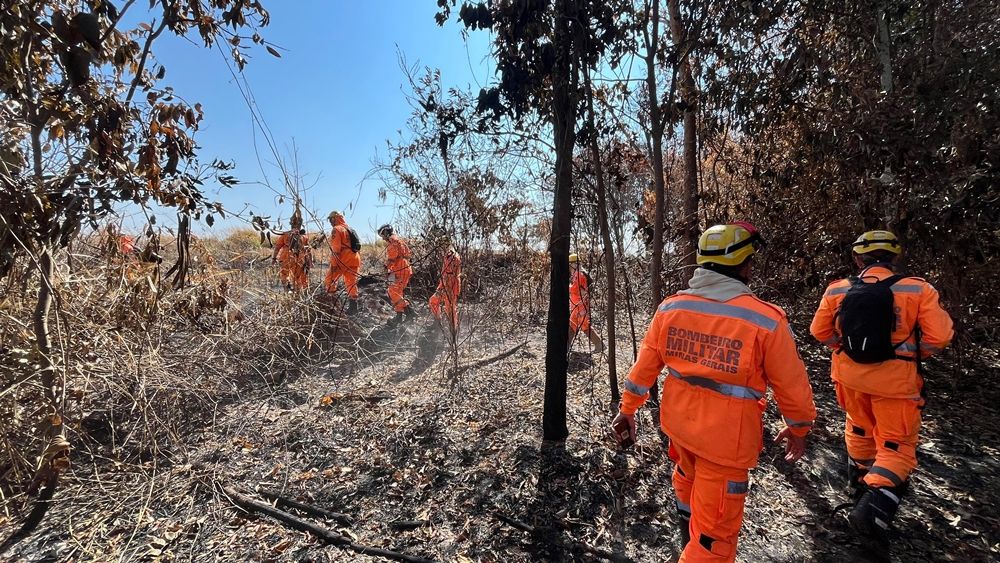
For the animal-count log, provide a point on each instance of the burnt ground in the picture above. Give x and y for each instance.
(427, 465)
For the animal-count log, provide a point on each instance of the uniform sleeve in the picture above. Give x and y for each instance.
(936, 327)
(392, 251)
(822, 326)
(647, 368)
(786, 374)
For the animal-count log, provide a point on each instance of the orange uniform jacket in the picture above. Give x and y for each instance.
(720, 358)
(340, 248)
(916, 304)
(579, 301)
(451, 274)
(285, 256)
(397, 256)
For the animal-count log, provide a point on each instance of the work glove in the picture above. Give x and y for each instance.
(623, 428)
(795, 446)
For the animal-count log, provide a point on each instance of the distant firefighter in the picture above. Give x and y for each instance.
(579, 305)
(344, 260)
(397, 265)
(292, 252)
(449, 286)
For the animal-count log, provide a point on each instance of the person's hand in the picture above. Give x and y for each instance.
(621, 423)
(795, 446)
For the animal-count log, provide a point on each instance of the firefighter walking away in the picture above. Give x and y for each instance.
(722, 347)
(880, 324)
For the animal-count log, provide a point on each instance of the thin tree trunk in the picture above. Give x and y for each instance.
(554, 426)
(688, 90)
(41, 324)
(656, 125)
(609, 250)
(619, 237)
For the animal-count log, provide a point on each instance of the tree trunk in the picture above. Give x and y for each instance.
(557, 330)
(609, 250)
(689, 197)
(656, 125)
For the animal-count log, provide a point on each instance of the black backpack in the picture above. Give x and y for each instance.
(867, 321)
(355, 241)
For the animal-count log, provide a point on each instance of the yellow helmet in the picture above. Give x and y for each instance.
(728, 245)
(877, 240)
(573, 258)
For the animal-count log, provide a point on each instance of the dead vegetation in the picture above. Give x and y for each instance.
(366, 444)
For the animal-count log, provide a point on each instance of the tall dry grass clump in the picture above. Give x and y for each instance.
(143, 368)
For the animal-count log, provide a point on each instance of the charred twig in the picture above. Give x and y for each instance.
(324, 534)
(479, 363)
(37, 512)
(331, 398)
(282, 502)
(571, 544)
(408, 524)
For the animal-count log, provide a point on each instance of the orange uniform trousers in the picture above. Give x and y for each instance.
(579, 317)
(714, 495)
(344, 265)
(448, 298)
(293, 272)
(881, 434)
(398, 280)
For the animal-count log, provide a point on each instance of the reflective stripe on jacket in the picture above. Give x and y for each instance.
(916, 304)
(722, 356)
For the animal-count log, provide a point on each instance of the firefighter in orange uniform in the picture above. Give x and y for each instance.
(449, 286)
(881, 325)
(292, 252)
(722, 347)
(579, 305)
(397, 265)
(344, 261)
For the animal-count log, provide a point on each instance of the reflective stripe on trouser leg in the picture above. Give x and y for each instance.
(897, 425)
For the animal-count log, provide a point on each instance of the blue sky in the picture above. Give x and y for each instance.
(337, 91)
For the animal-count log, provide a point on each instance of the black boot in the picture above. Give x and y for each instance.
(352, 306)
(409, 312)
(684, 526)
(872, 515)
(395, 321)
(856, 479)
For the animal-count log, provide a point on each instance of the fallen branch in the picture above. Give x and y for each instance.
(282, 502)
(331, 398)
(323, 534)
(408, 524)
(571, 544)
(480, 363)
(42, 503)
